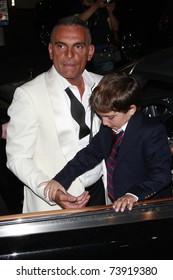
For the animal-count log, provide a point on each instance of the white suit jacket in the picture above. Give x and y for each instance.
(35, 150)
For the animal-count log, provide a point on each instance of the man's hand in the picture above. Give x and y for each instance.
(57, 193)
(69, 201)
(100, 3)
(124, 201)
(51, 189)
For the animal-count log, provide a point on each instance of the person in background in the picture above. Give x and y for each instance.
(3, 122)
(3, 130)
(101, 19)
(138, 160)
(9, 184)
(3, 206)
(165, 24)
(42, 135)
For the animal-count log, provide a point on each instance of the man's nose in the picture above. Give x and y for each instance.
(69, 52)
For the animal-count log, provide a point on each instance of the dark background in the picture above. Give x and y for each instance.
(24, 55)
(27, 35)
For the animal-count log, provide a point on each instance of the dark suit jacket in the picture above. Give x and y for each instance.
(143, 163)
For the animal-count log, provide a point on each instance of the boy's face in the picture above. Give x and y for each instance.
(116, 120)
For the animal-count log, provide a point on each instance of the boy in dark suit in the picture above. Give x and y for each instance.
(141, 166)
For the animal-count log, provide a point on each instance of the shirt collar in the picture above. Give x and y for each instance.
(122, 128)
(86, 76)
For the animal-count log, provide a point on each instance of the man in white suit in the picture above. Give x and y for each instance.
(42, 135)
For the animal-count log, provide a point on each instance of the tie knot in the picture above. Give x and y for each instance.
(117, 136)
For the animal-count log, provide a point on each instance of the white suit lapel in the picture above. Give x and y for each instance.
(63, 120)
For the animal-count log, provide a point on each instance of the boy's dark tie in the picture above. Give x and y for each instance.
(111, 161)
(78, 114)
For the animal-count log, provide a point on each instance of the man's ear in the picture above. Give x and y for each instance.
(50, 51)
(91, 52)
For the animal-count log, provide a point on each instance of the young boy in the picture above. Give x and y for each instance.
(140, 169)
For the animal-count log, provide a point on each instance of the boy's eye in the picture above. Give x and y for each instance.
(111, 117)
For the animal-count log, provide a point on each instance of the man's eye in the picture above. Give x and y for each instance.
(79, 47)
(60, 46)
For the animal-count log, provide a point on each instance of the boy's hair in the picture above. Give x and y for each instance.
(115, 92)
(72, 20)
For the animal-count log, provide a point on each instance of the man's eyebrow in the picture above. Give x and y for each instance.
(59, 42)
(74, 44)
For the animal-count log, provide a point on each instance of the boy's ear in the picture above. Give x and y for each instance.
(132, 109)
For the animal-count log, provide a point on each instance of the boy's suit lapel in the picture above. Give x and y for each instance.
(130, 136)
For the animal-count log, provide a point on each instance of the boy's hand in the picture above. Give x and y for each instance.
(57, 193)
(124, 201)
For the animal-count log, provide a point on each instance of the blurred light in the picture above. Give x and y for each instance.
(13, 3)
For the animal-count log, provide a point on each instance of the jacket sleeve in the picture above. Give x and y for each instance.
(21, 139)
(85, 159)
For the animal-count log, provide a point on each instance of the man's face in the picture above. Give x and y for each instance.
(70, 50)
